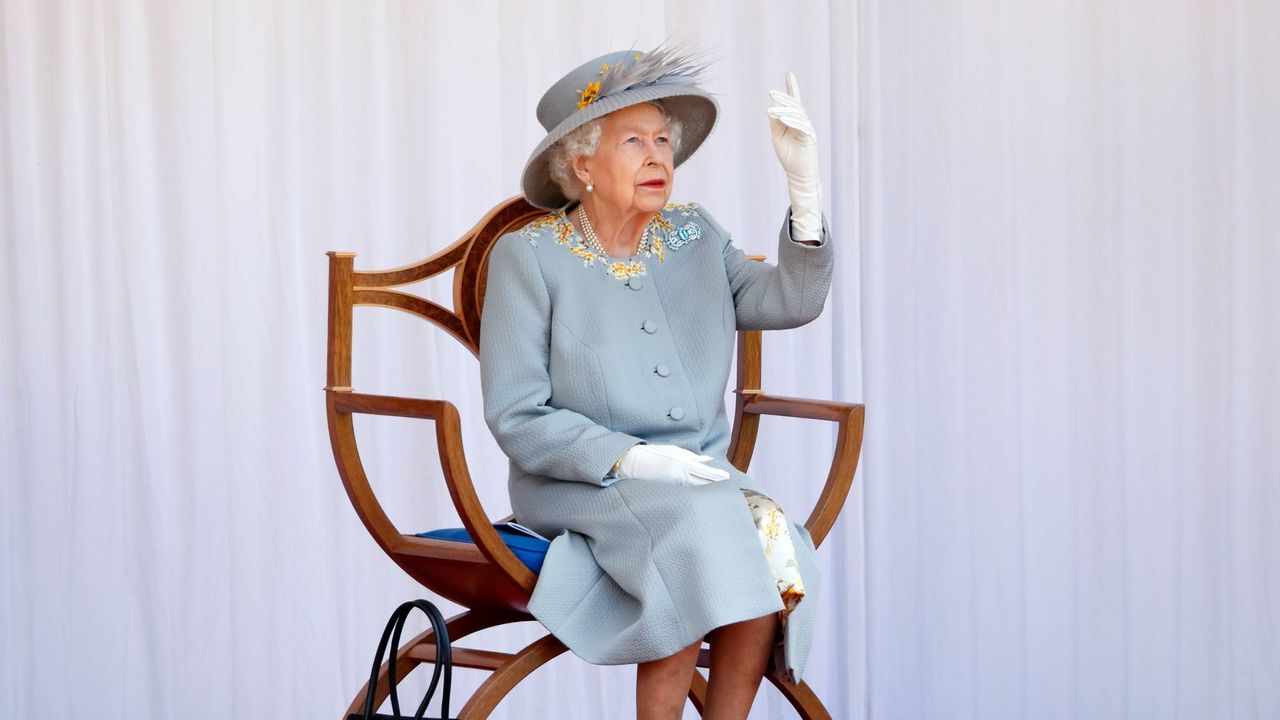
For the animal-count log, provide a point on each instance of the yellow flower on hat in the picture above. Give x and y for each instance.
(591, 92)
(588, 94)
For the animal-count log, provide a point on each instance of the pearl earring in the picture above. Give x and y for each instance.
(590, 187)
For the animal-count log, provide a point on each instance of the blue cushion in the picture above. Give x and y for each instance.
(530, 550)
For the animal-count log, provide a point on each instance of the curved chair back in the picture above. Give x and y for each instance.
(484, 573)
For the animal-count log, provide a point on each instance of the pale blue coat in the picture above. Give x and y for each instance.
(576, 367)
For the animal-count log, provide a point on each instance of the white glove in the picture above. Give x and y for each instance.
(668, 463)
(797, 147)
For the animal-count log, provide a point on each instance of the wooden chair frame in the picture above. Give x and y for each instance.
(485, 576)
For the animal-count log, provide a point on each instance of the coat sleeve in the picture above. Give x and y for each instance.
(515, 342)
(777, 297)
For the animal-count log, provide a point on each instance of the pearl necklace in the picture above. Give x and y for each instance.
(589, 234)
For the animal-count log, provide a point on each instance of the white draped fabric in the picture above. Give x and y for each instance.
(1055, 293)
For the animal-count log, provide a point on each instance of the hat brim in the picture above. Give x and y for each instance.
(695, 108)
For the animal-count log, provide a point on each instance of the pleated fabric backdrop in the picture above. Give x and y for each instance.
(1057, 254)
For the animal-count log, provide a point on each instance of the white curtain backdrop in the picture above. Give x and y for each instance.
(1057, 259)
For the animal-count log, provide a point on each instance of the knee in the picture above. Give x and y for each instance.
(765, 625)
(763, 501)
(765, 505)
(677, 661)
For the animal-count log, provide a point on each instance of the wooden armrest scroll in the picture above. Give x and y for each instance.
(342, 405)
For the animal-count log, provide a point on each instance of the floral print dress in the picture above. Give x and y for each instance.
(779, 550)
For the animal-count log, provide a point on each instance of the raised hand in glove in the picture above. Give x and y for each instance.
(668, 463)
(797, 149)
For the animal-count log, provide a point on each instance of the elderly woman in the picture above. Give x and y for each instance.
(604, 365)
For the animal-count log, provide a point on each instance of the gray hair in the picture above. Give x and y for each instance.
(584, 141)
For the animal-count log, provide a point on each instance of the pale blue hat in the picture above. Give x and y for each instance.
(611, 82)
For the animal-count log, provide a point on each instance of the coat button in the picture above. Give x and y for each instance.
(635, 282)
(662, 370)
(650, 326)
(676, 413)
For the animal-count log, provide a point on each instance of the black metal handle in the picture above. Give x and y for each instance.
(443, 663)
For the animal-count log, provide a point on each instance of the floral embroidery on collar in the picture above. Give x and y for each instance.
(685, 209)
(563, 231)
(660, 234)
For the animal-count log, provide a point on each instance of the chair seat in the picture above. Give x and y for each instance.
(530, 550)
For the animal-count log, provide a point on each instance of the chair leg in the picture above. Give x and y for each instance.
(698, 692)
(496, 686)
(459, 626)
(801, 696)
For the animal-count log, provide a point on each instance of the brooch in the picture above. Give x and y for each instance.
(685, 235)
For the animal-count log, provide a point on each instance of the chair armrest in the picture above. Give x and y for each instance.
(389, 405)
(453, 462)
(849, 419)
(783, 406)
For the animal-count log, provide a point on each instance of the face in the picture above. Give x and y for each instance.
(633, 166)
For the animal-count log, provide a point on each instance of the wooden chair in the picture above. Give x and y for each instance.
(484, 576)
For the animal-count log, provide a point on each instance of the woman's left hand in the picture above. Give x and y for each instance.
(668, 463)
(796, 145)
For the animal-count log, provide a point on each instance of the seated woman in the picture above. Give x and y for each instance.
(604, 366)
